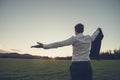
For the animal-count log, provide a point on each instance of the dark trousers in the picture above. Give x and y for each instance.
(81, 70)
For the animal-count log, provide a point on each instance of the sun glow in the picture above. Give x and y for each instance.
(53, 58)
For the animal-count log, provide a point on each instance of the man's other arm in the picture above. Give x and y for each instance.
(67, 42)
(94, 35)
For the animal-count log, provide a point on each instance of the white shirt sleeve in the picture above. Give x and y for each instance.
(94, 35)
(67, 42)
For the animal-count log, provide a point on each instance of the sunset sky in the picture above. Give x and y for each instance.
(25, 22)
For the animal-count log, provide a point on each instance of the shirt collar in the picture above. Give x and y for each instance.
(79, 34)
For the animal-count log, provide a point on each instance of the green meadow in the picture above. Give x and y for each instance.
(36, 69)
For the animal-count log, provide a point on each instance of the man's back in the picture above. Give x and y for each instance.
(81, 48)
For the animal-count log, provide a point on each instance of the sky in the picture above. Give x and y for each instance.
(25, 22)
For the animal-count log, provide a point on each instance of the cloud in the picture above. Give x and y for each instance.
(16, 50)
(4, 51)
(9, 51)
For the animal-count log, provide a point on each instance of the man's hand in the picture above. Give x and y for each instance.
(40, 45)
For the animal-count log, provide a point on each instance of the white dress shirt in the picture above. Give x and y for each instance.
(81, 46)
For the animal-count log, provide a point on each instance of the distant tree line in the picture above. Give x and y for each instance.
(108, 55)
(23, 56)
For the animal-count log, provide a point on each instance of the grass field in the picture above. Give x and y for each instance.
(36, 69)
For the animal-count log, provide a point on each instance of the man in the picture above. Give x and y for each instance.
(80, 68)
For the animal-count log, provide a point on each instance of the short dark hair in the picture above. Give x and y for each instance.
(79, 28)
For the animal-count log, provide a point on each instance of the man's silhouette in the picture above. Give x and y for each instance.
(80, 68)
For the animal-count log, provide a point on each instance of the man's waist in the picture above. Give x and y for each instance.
(79, 59)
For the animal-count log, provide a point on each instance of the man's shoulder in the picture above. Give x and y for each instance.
(87, 35)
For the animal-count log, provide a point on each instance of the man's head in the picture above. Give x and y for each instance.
(79, 28)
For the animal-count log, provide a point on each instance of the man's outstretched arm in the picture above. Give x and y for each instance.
(55, 45)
